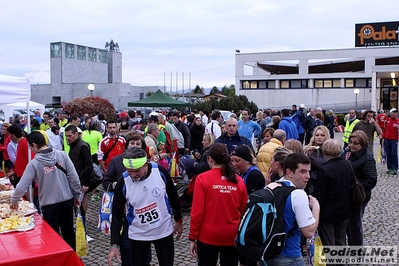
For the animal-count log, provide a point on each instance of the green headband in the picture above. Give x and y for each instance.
(134, 163)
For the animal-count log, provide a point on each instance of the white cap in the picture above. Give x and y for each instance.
(302, 106)
(393, 110)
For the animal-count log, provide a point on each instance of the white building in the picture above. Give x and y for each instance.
(325, 78)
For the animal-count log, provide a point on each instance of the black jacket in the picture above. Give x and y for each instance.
(197, 133)
(202, 165)
(365, 170)
(81, 159)
(332, 190)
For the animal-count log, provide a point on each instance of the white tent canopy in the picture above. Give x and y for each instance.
(9, 108)
(14, 89)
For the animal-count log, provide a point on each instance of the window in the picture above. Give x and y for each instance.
(56, 100)
(103, 56)
(284, 84)
(245, 84)
(296, 84)
(336, 83)
(271, 84)
(254, 84)
(69, 50)
(349, 83)
(81, 53)
(360, 83)
(92, 55)
(262, 84)
(318, 83)
(55, 50)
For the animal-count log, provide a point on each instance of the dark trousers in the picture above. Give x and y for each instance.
(60, 216)
(301, 137)
(164, 248)
(125, 245)
(333, 233)
(355, 226)
(208, 255)
(391, 149)
(308, 136)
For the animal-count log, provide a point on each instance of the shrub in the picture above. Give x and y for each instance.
(91, 105)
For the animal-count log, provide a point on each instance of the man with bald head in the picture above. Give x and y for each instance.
(265, 153)
(231, 138)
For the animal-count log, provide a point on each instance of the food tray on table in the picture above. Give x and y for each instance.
(16, 224)
(17, 220)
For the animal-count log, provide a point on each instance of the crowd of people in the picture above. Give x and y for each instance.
(228, 160)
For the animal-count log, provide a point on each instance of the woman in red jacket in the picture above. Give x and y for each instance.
(219, 200)
(3, 148)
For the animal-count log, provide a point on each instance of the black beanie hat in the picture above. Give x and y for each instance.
(243, 152)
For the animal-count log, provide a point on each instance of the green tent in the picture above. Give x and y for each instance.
(158, 99)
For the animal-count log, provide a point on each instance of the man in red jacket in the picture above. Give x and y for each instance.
(390, 137)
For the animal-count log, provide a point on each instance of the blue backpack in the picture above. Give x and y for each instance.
(261, 233)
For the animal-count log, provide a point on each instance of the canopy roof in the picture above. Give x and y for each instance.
(158, 99)
(14, 89)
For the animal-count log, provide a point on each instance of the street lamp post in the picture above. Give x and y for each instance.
(356, 92)
(91, 88)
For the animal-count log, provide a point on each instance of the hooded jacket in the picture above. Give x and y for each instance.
(54, 185)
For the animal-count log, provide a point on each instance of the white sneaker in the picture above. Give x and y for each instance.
(88, 238)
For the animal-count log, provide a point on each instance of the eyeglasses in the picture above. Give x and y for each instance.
(354, 143)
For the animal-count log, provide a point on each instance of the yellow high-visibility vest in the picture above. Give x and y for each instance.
(348, 129)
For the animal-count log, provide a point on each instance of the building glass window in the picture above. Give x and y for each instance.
(245, 84)
(327, 83)
(284, 84)
(318, 83)
(295, 84)
(349, 83)
(369, 83)
(55, 50)
(304, 83)
(336, 83)
(360, 83)
(81, 53)
(262, 84)
(254, 84)
(271, 84)
(103, 56)
(56, 100)
(92, 55)
(69, 50)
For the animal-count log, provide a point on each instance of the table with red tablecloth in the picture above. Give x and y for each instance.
(41, 246)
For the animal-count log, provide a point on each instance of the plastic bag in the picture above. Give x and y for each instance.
(316, 254)
(81, 243)
(104, 222)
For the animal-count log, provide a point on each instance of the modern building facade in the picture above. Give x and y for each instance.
(337, 79)
(73, 67)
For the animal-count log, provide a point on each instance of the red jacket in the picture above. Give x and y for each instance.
(381, 118)
(22, 157)
(3, 147)
(217, 208)
(391, 129)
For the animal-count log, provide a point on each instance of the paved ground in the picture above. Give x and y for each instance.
(380, 223)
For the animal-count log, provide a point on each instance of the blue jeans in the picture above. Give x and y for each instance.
(281, 261)
(391, 148)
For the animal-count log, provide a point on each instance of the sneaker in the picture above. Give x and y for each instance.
(394, 172)
(88, 238)
(390, 172)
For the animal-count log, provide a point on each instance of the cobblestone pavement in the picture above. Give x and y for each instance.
(380, 222)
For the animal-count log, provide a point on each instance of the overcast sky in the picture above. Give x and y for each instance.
(197, 36)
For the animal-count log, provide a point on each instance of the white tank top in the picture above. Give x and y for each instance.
(147, 207)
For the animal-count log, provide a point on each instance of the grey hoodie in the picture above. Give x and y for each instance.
(54, 185)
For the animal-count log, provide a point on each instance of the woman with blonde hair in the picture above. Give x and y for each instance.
(201, 164)
(275, 171)
(316, 155)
